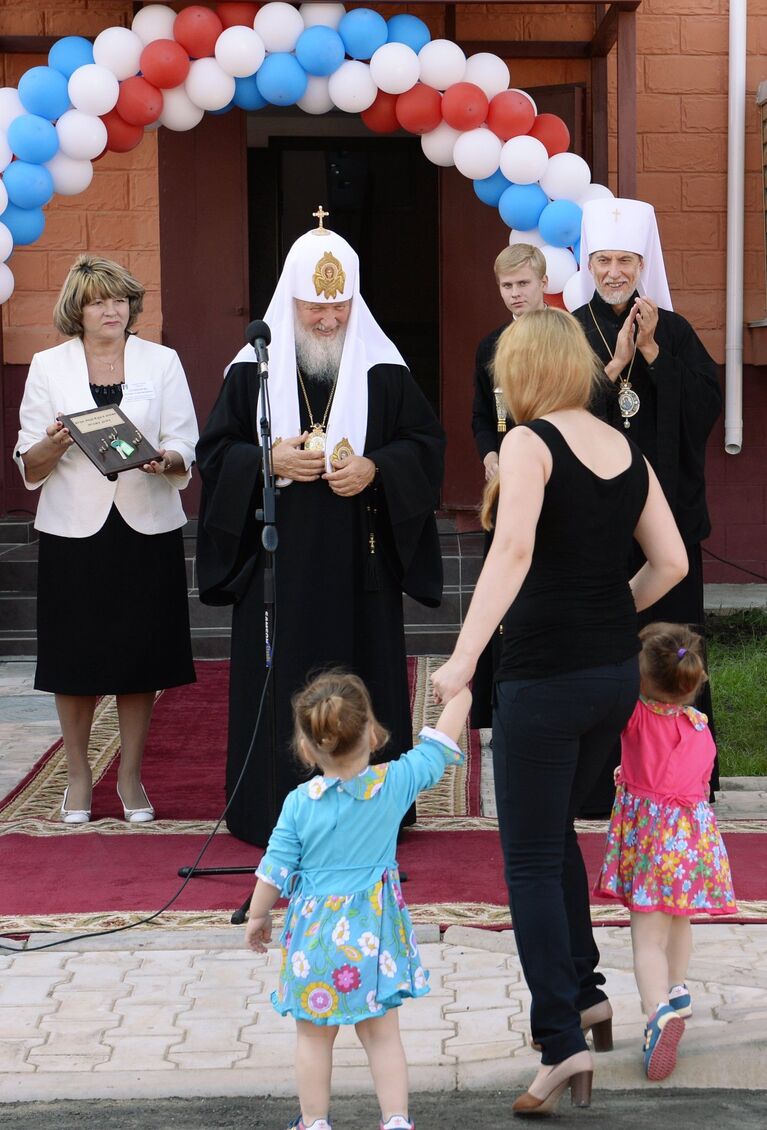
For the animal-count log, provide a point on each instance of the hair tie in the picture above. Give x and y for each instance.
(682, 651)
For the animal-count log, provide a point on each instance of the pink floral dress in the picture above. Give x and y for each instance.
(664, 851)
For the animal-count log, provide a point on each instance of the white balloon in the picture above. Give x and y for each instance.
(118, 49)
(329, 15)
(316, 99)
(524, 159)
(533, 237)
(69, 175)
(11, 106)
(279, 26)
(524, 93)
(6, 242)
(395, 68)
(567, 175)
(442, 63)
(351, 87)
(560, 266)
(208, 86)
(488, 72)
(179, 113)
(572, 292)
(3, 197)
(93, 89)
(6, 282)
(438, 145)
(477, 153)
(154, 22)
(6, 153)
(594, 192)
(81, 136)
(240, 51)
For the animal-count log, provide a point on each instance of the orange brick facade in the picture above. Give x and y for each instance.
(681, 148)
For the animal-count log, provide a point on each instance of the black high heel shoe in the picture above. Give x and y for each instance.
(542, 1097)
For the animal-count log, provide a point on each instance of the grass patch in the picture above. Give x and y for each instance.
(737, 659)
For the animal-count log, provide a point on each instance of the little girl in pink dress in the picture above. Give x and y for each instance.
(665, 859)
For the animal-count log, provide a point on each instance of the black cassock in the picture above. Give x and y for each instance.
(680, 401)
(341, 567)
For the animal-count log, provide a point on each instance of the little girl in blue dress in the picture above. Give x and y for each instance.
(349, 952)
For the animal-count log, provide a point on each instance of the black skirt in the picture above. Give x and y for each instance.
(112, 612)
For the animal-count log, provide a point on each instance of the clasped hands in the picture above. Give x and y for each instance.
(640, 324)
(349, 476)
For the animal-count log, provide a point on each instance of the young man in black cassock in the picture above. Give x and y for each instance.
(662, 387)
(359, 457)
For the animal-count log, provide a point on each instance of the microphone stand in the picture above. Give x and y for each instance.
(267, 514)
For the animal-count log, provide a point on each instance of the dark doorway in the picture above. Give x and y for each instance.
(381, 194)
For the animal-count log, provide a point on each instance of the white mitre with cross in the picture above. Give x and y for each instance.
(615, 224)
(322, 267)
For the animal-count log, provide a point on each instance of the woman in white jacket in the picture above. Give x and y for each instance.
(112, 612)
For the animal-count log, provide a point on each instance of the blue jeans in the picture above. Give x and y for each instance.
(551, 738)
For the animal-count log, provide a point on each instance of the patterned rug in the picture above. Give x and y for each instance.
(117, 874)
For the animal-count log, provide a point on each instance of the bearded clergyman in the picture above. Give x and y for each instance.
(662, 390)
(358, 454)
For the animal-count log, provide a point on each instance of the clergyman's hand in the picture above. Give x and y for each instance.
(647, 322)
(491, 465)
(624, 347)
(351, 475)
(290, 461)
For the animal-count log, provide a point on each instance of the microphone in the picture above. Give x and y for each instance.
(259, 335)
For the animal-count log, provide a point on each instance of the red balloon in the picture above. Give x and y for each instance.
(552, 132)
(139, 102)
(555, 300)
(164, 63)
(237, 14)
(510, 114)
(419, 110)
(381, 117)
(197, 30)
(121, 135)
(464, 106)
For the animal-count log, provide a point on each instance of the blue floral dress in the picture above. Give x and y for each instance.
(349, 950)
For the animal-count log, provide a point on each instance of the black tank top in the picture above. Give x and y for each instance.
(575, 609)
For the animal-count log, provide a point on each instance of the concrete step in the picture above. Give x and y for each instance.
(16, 531)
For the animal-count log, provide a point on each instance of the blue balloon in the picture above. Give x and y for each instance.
(521, 205)
(491, 189)
(28, 186)
(247, 95)
(25, 224)
(281, 79)
(223, 110)
(43, 91)
(560, 223)
(33, 138)
(577, 249)
(69, 53)
(408, 30)
(363, 32)
(320, 50)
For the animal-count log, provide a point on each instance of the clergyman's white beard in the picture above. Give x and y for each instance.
(616, 298)
(319, 358)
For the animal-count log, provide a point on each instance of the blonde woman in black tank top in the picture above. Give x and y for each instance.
(570, 496)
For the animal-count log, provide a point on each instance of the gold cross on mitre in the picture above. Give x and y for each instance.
(320, 215)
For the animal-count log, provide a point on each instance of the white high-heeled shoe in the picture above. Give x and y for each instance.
(137, 815)
(73, 815)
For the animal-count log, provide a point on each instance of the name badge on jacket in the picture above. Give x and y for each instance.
(138, 390)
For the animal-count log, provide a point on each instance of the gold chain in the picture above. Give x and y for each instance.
(308, 406)
(624, 380)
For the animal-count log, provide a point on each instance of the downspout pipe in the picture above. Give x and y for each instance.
(736, 145)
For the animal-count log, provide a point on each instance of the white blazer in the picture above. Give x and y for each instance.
(76, 498)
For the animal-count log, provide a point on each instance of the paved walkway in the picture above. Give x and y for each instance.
(153, 1013)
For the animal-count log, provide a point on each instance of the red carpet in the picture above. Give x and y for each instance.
(94, 875)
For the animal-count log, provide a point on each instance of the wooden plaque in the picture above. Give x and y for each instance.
(109, 439)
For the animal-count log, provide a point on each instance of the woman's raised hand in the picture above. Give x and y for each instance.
(59, 437)
(451, 678)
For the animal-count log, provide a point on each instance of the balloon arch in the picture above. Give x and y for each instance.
(170, 69)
